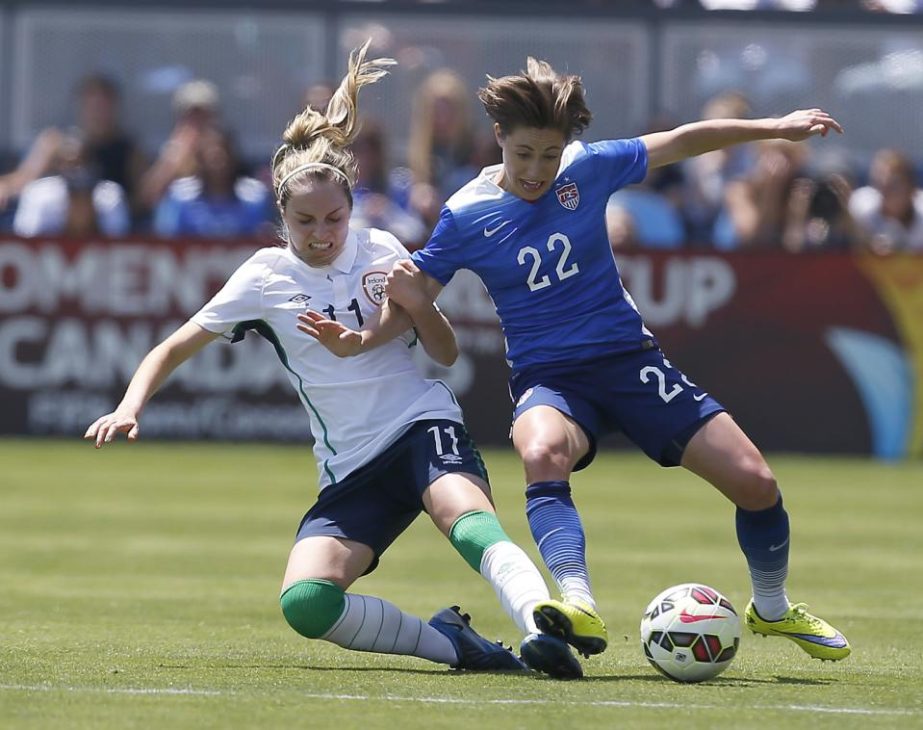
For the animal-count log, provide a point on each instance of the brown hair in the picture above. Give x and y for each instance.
(897, 162)
(323, 138)
(538, 97)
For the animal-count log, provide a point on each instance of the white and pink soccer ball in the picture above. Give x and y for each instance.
(690, 632)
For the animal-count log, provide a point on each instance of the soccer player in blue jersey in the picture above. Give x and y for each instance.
(583, 363)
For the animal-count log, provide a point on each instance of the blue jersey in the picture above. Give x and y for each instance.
(547, 264)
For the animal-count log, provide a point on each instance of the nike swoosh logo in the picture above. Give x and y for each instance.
(488, 232)
(700, 398)
(837, 641)
(773, 548)
(688, 618)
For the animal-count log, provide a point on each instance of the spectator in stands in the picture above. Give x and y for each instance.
(789, 5)
(441, 141)
(818, 215)
(706, 176)
(757, 206)
(902, 7)
(890, 209)
(217, 202)
(73, 203)
(317, 96)
(647, 214)
(620, 229)
(196, 110)
(378, 193)
(104, 145)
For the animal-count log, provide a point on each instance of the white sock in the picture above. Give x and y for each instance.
(769, 595)
(373, 624)
(577, 589)
(517, 582)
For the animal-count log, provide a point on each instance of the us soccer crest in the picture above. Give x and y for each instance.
(373, 284)
(568, 196)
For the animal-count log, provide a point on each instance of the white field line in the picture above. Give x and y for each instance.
(820, 709)
(115, 690)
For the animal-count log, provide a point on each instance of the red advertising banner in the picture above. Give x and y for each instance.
(818, 353)
(811, 353)
(76, 318)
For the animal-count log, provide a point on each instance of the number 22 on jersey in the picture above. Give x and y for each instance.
(558, 244)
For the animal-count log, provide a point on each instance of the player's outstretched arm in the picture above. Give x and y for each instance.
(150, 375)
(689, 140)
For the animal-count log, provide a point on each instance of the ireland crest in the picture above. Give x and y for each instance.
(373, 284)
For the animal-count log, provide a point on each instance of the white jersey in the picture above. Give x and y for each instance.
(357, 406)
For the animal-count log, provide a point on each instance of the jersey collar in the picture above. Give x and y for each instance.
(489, 173)
(344, 262)
(487, 177)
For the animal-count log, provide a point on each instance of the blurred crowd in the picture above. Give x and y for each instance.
(901, 7)
(800, 6)
(96, 179)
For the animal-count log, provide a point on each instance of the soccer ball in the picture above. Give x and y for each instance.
(690, 632)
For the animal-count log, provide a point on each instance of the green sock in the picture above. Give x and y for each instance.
(473, 533)
(312, 606)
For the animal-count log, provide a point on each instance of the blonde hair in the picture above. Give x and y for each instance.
(317, 143)
(538, 97)
(447, 85)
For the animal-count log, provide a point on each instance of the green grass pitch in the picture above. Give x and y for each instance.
(140, 585)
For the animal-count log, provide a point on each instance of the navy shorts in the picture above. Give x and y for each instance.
(378, 501)
(639, 394)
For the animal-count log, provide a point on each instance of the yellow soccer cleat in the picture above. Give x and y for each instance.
(575, 622)
(814, 635)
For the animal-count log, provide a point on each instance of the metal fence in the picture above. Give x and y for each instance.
(867, 69)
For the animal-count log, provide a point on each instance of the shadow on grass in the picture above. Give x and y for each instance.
(338, 668)
(435, 671)
(803, 680)
(716, 682)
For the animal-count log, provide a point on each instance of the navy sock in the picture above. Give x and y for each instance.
(763, 536)
(558, 532)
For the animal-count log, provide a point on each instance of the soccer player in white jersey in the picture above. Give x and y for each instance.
(583, 363)
(388, 443)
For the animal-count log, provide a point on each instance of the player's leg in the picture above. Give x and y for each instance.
(316, 604)
(460, 506)
(550, 445)
(722, 454)
(341, 538)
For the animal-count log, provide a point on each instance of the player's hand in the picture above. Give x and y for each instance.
(406, 286)
(339, 339)
(804, 123)
(103, 430)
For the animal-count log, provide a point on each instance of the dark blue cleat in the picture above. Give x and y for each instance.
(550, 655)
(475, 653)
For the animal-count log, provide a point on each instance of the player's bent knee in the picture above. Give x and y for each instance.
(544, 460)
(312, 606)
(761, 491)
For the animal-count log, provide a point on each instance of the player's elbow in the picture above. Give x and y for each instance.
(445, 355)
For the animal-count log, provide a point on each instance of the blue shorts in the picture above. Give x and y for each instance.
(639, 394)
(378, 501)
